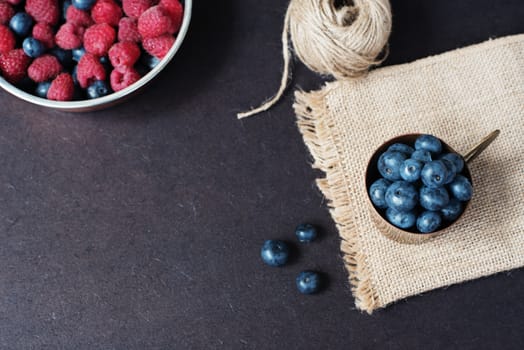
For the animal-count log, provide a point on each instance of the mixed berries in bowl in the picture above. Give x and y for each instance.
(86, 54)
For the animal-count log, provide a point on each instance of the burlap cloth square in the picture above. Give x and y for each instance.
(461, 96)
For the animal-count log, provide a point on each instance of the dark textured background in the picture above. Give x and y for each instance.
(139, 227)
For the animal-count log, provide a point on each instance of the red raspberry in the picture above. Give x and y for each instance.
(45, 33)
(128, 30)
(44, 68)
(89, 69)
(43, 10)
(69, 36)
(62, 88)
(175, 10)
(13, 65)
(6, 12)
(158, 46)
(123, 77)
(78, 17)
(106, 11)
(124, 54)
(99, 38)
(7, 39)
(155, 22)
(134, 8)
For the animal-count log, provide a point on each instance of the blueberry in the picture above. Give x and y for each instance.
(410, 170)
(105, 62)
(308, 282)
(428, 143)
(78, 53)
(456, 159)
(65, 57)
(389, 164)
(401, 219)
(21, 24)
(42, 88)
(401, 196)
(306, 233)
(433, 198)
(434, 174)
(400, 147)
(83, 4)
(33, 47)
(377, 192)
(451, 211)
(149, 61)
(461, 188)
(274, 252)
(98, 89)
(428, 221)
(452, 170)
(421, 155)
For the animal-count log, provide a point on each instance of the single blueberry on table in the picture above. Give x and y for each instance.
(433, 198)
(452, 211)
(421, 155)
(428, 143)
(306, 233)
(377, 192)
(428, 221)
(452, 170)
(434, 174)
(21, 23)
(401, 219)
(42, 88)
(78, 53)
(83, 4)
(461, 188)
(33, 47)
(65, 57)
(410, 170)
(274, 252)
(308, 282)
(98, 89)
(400, 147)
(456, 159)
(389, 164)
(402, 196)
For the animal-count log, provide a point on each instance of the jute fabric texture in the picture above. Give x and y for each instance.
(460, 96)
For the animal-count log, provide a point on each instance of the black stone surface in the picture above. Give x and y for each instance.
(139, 227)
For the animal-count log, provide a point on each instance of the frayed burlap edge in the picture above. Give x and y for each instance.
(321, 137)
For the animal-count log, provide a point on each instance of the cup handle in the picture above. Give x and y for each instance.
(478, 149)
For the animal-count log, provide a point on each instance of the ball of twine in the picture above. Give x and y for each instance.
(341, 38)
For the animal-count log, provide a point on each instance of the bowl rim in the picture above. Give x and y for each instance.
(91, 104)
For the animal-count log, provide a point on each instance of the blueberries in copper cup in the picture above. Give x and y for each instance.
(389, 164)
(377, 192)
(429, 221)
(401, 196)
(274, 252)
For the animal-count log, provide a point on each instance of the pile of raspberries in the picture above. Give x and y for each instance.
(105, 44)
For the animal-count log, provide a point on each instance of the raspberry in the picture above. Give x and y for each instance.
(62, 88)
(89, 69)
(99, 38)
(106, 11)
(134, 8)
(123, 77)
(6, 12)
(158, 46)
(43, 10)
(124, 54)
(69, 36)
(44, 68)
(7, 39)
(78, 17)
(45, 34)
(175, 10)
(128, 30)
(13, 65)
(155, 22)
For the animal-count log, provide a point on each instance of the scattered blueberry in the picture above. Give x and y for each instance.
(308, 282)
(410, 170)
(42, 88)
(433, 198)
(21, 24)
(423, 156)
(400, 219)
(33, 47)
(306, 233)
(434, 174)
(400, 147)
(428, 221)
(451, 211)
(98, 89)
(461, 188)
(65, 57)
(377, 192)
(78, 53)
(83, 4)
(274, 252)
(428, 143)
(456, 159)
(402, 196)
(389, 164)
